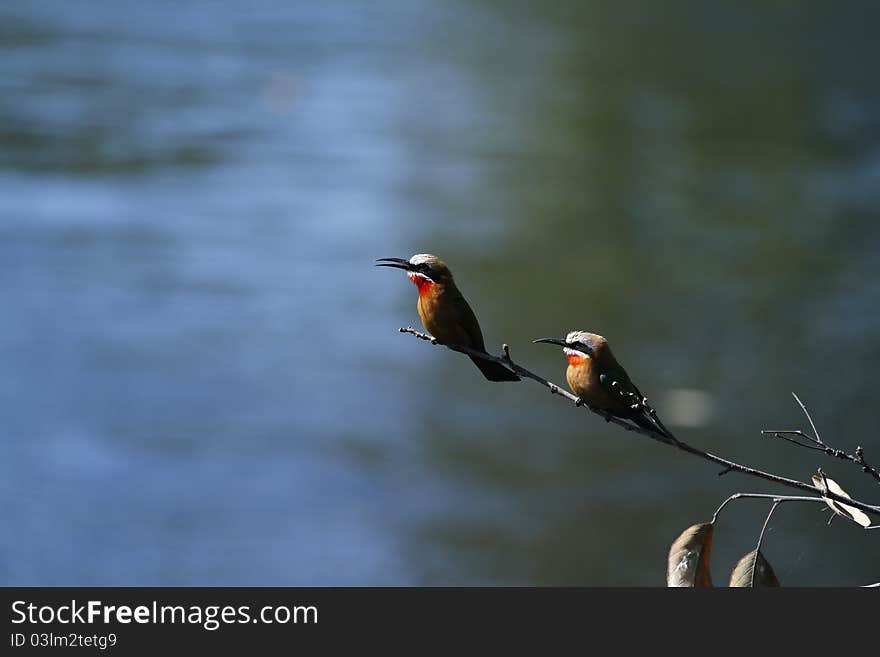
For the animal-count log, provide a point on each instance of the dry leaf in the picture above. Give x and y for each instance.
(839, 508)
(688, 564)
(741, 577)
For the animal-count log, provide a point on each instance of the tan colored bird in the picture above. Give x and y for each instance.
(443, 310)
(596, 377)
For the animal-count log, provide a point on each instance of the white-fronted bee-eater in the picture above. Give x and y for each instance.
(595, 376)
(444, 312)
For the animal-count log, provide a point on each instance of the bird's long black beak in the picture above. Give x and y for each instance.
(558, 341)
(399, 263)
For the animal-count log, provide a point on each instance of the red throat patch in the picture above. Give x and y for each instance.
(421, 281)
(575, 359)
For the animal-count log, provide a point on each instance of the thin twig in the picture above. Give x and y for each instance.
(860, 460)
(809, 419)
(785, 434)
(777, 500)
(765, 496)
(815, 442)
(555, 389)
(776, 503)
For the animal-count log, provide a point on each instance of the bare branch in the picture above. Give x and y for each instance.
(815, 442)
(776, 503)
(765, 496)
(860, 460)
(728, 465)
(785, 434)
(809, 419)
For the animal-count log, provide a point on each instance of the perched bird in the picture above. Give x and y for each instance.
(444, 311)
(596, 377)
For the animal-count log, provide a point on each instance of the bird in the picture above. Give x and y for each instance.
(600, 382)
(444, 312)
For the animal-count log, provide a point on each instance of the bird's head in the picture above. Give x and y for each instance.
(423, 269)
(578, 346)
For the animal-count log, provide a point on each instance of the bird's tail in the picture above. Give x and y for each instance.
(647, 420)
(494, 371)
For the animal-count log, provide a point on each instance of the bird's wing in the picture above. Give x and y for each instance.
(642, 413)
(468, 320)
(618, 385)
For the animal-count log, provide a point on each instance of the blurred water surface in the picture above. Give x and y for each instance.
(202, 380)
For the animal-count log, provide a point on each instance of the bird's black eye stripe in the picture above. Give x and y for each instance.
(423, 266)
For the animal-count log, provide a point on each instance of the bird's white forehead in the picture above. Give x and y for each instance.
(578, 336)
(421, 258)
